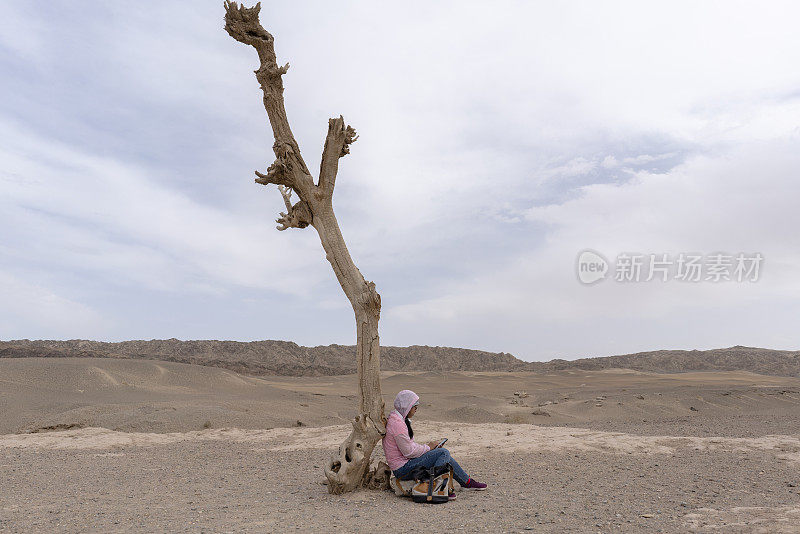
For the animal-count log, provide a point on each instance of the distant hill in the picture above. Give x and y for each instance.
(738, 358)
(291, 359)
(268, 357)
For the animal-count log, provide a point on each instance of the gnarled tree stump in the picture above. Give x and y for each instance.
(349, 469)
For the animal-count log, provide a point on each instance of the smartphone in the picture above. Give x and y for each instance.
(441, 443)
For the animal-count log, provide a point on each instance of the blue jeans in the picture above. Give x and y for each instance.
(433, 458)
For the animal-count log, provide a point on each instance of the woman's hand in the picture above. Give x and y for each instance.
(433, 444)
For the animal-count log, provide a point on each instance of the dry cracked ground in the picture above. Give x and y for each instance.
(138, 446)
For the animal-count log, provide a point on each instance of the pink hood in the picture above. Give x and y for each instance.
(404, 401)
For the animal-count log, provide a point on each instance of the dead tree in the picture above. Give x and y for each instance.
(350, 469)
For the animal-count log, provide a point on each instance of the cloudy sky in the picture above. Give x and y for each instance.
(498, 140)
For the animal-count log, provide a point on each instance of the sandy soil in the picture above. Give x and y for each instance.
(153, 446)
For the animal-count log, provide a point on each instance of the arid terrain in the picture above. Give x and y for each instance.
(122, 444)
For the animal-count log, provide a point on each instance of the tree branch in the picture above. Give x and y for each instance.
(280, 172)
(242, 24)
(276, 174)
(337, 144)
(297, 216)
(286, 193)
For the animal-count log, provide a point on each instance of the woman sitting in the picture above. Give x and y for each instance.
(403, 454)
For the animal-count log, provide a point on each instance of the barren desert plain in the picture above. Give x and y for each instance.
(119, 445)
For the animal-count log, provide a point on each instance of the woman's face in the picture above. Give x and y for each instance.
(412, 411)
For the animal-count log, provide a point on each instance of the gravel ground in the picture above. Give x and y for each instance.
(228, 486)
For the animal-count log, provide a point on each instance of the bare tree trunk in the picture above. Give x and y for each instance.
(349, 469)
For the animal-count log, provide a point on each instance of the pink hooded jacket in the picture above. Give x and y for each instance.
(397, 445)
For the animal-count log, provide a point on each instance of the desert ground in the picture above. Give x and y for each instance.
(105, 445)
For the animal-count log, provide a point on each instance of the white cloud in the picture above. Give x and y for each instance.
(706, 205)
(34, 311)
(86, 213)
